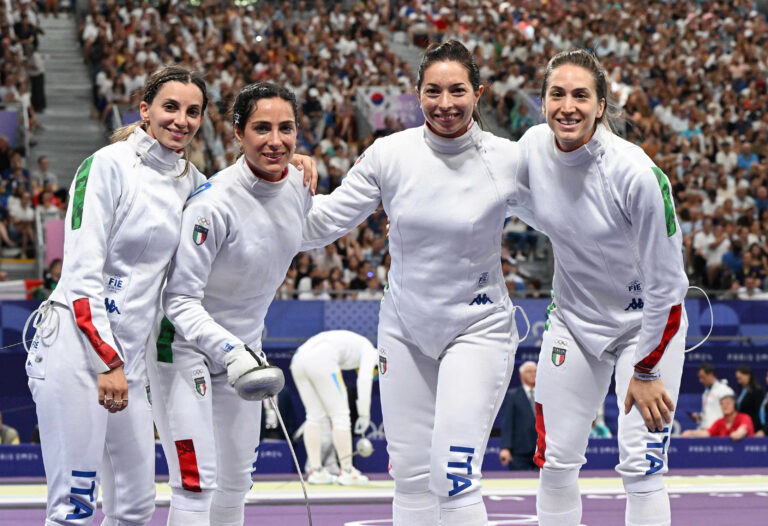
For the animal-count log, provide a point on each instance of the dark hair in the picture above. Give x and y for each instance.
(707, 368)
(246, 101)
(155, 81)
(451, 51)
(752, 384)
(586, 60)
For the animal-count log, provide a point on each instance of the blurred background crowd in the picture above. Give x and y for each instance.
(688, 83)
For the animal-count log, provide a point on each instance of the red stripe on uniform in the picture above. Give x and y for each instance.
(541, 437)
(673, 324)
(102, 348)
(190, 476)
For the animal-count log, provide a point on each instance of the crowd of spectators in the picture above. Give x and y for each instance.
(320, 52)
(727, 414)
(688, 84)
(26, 195)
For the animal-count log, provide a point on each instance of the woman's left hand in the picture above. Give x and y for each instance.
(652, 401)
(308, 165)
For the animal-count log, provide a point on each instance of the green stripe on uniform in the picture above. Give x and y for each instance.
(81, 180)
(669, 206)
(164, 341)
(550, 308)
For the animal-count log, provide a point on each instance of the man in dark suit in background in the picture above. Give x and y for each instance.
(518, 423)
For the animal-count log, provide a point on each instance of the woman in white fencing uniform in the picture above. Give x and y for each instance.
(239, 234)
(316, 368)
(447, 337)
(619, 286)
(86, 366)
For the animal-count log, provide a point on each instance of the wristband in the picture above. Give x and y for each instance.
(647, 377)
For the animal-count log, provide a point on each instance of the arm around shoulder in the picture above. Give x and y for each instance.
(359, 195)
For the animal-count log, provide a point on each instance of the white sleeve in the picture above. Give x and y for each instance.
(521, 206)
(334, 215)
(94, 197)
(203, 232)
(369, 358)
(198, 177)
(659, 242)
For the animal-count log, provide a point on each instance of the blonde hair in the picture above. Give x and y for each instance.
(152, 85)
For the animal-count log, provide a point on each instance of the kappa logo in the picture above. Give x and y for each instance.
(481, 299)
(200, 232)
(558, 356)
(111, 306)
(635, 304)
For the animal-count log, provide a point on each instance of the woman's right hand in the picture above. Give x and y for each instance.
(113, 390)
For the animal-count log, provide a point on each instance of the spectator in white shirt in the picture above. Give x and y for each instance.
(726, 157)
(43, 175)
(714, 390)
(46, 210)
(751, 290)
(23, 220)
(743, 203)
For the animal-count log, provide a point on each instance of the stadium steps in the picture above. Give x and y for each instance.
(69, 134)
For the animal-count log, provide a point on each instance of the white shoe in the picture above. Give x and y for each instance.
(353, 477)
(320, 476)
(251, 375)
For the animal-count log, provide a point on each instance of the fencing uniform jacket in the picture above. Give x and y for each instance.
(239, 235)
(609, 213)
(121, 231)
(348, 350)
(446, 201)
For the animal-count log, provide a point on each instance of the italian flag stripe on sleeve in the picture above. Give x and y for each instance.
(83, 318)
(164, 341)
(78, 201)
(647, 364)
(669, 205)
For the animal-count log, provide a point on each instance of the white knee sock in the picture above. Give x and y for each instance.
(228, 508)
(409, 509)
(648, 508)
(472, 515)
(313, 443)
(190, 508)
(233, 516)
(177, 517)
(342, 443)
(558, 501)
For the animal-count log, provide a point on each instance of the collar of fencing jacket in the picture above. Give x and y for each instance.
(153, 153)
(453, 145)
